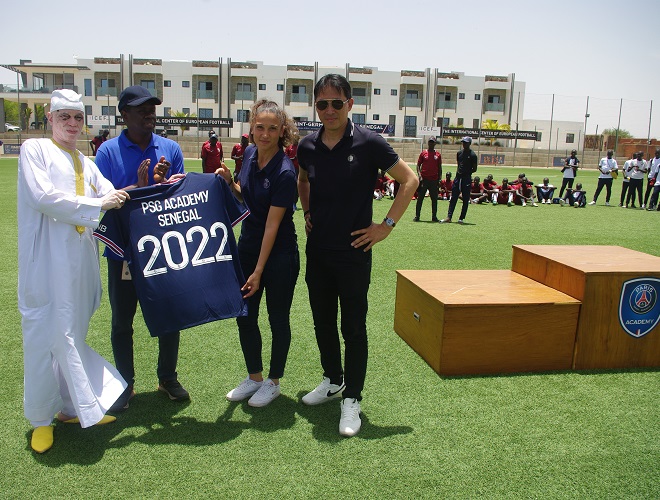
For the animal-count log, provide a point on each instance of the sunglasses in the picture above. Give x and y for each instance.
(337, 104)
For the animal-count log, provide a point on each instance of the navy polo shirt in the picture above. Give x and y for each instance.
(273, 185)
(342, 181)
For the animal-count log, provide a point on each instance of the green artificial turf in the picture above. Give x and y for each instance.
(553, 435)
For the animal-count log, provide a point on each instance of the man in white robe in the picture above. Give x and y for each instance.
(61, 194)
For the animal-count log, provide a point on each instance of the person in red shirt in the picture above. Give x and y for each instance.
(490, 188)
(211, 155)
(505, 193)
(445, 187)
(98, 140)
(525, 192)
(429, 171)
(237, 153)
(477, 194)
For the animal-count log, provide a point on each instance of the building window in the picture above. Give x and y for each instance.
(459, 122)
(359, 118)
(445, 122)
(570, 138)
(360, 92)
(410, 126)
(461, 95)
(444, 96)
(299, 89)
(494, 99)
(539, 135)
(475, 123)
(244, 87)
(477, 97)
(88, 86)
(243, 115)
(262, 86)
(205, 113)
(88, 110)
(185, 111)
(204, 85)
(108, 110)
(376, 118)
(167, 83)
(376, 91)
(280, 87)
(148, 84)
(393, 92)
(167, 111)
(185, 84)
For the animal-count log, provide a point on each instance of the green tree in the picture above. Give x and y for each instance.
(494, 125)
(623, 133)
(181, 114)
(11, 112)
(28, 113)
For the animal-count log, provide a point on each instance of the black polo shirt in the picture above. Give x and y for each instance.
(342, 183)
(275, 185)
(467, 163)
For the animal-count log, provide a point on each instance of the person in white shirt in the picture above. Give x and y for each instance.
(569, 170)
(606, 166)
(625, 184)
(636, 170)
(654, 166)
(61, 195)
(545, 191)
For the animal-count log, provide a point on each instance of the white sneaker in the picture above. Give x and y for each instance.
(245, 389)
(576, 204)
(324, 392)
(524, 204)
(350, 422)
(268, 391)
(607, 203)
(562, 202)
(460, 221)
(592, 202)
(534, 204)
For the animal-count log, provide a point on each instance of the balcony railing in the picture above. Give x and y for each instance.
(242, 95)
(494, 106)
(446, 105)
(205, 94)
(106, 91)
(412, 102)
(299, 97)
(360, 100)
(41, 90)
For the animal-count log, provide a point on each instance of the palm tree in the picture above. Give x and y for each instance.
(494, 125)
(181, 114)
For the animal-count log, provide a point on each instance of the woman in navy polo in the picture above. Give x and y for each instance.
(267, 248)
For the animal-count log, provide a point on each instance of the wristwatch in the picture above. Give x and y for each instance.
(389, 222)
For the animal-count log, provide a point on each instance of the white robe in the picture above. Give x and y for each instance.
(59, 286)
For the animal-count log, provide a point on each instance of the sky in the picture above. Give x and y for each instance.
(602, 49)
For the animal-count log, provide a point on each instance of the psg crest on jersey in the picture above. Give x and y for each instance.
(639, 308)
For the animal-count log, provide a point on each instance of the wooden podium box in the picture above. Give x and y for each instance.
(596, 275)
(482, 322)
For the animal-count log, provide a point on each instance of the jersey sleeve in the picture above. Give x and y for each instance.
(383, 155)
(236, 211)
(109, 232)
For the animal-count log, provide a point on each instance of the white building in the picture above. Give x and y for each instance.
(404, 100)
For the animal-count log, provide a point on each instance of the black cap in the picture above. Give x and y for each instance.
(136, 95)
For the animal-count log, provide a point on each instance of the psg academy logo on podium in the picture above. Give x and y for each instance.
(639, 308)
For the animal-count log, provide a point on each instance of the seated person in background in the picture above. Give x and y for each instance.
(524, 192)
(545, 191)
(477, 194)
(381, 189)
(445, 187)
(575, 197)
(505, 193)
(490, 187)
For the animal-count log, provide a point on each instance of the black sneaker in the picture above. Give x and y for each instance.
(416, 219)
(174, 390)
(122, 401)
(435, 219)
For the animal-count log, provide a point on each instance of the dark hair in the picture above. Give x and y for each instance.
(333, 81)
(266, 106)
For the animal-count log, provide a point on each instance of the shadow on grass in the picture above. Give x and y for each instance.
(151, 419)
(325, 419)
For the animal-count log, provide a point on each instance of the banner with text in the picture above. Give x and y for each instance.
(492, 134)
(380, 129)
(189, 121)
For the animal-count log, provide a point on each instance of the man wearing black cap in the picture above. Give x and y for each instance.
(467, 165)
(429, 171)
(134, 159)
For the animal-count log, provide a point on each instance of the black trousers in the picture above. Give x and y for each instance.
(564, 183)
(608, 186)
(635, 185)
(461, 186)
(432, 187)
(123, 302)
(340, 278)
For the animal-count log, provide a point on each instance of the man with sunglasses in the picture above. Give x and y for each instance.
(340, 236)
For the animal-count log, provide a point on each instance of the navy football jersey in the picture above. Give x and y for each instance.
(178, 240)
